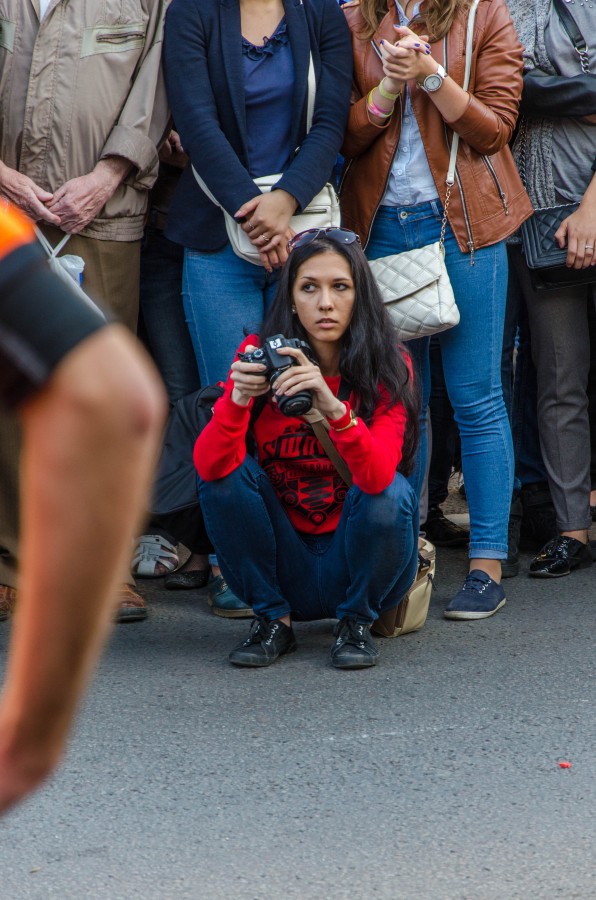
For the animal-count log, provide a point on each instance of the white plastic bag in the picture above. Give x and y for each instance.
(68, 268)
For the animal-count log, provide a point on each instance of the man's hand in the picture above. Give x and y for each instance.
(80, 200)
(172, 152)
(27, 195)
(24, 763)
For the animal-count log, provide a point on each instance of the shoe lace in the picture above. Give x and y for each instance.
(474, 583)
(352, 632)
(259, 629)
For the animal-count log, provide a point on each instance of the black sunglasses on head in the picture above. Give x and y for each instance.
(339, 235)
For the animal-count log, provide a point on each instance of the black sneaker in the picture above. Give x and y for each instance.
(265, 643)
(510, 566)
(442, 532)
(354, 647)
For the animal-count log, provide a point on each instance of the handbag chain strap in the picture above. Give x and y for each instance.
(450, 180)
(574, 33)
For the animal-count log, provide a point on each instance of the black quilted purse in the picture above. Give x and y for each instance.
(544, 256)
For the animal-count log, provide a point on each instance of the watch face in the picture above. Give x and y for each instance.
(433, 82)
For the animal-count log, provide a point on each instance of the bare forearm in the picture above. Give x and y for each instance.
(85, 474)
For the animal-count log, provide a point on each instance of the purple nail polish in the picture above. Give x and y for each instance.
(417, 45)
(427, 52)
(382, 42)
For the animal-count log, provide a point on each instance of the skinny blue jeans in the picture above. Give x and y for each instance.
(225, 298)
(472, 365)
(364, 567)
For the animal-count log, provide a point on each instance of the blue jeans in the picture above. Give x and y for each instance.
(225, 298)
(471, 355)
(362, 568)
(162, 315)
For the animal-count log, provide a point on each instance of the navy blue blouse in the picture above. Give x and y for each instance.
(268, 91)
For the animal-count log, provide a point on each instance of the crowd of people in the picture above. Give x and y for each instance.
(143, 136)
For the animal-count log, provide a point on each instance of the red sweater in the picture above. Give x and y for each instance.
(305, 480)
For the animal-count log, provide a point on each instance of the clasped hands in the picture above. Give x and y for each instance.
(266, 221)
(409, 57)
(250, 382)
(72, 206)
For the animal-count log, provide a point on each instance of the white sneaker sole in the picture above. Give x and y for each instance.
(456, 614)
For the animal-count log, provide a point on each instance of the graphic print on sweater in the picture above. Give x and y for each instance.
(303, 476)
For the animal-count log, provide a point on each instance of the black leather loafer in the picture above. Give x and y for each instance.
(560, 557)
(186, 580)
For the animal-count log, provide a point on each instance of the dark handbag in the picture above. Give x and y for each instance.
(544, 257)
(175, 487)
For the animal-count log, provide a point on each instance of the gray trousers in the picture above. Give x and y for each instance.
(561, 353)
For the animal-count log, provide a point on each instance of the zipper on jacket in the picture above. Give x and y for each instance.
(495, 178)
(120, 37)
(464, 206)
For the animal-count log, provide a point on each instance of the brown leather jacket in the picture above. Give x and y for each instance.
(488, 200)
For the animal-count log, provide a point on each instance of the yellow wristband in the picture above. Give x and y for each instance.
(385, 93)
(353, 421)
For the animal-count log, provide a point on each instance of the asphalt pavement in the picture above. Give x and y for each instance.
(434, 775)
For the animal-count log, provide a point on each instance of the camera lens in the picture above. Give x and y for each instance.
(296, 405)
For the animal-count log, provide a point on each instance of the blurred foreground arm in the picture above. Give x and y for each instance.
(91, 437)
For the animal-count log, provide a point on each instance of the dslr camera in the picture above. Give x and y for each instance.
(277, 363)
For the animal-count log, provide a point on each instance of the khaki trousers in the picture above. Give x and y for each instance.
(111, 278)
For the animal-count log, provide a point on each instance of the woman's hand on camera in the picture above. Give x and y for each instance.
(249, 380)
(578, 231)
(306, 376)
(408, 58)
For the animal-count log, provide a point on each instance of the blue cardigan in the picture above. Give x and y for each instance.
(204, 78)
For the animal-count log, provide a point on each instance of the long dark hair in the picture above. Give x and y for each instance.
(371, 355)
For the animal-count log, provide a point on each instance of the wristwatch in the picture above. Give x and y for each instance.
(433, 82)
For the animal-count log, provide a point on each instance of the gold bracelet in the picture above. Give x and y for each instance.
(353, 421)
(385, 93)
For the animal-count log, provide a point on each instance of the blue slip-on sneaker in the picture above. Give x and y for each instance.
(479, 598)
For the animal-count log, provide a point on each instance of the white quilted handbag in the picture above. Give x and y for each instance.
(416, 288)
(415, 284)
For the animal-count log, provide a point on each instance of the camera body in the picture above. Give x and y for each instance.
(277, 363)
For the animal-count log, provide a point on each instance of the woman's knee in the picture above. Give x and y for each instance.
(384, 509)
(231, 487)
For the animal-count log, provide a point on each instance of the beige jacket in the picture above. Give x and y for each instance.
(84, 84)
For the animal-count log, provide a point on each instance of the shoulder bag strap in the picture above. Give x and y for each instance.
(450, 180)
(575, 36)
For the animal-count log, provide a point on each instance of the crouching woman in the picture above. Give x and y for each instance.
(293, 540)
